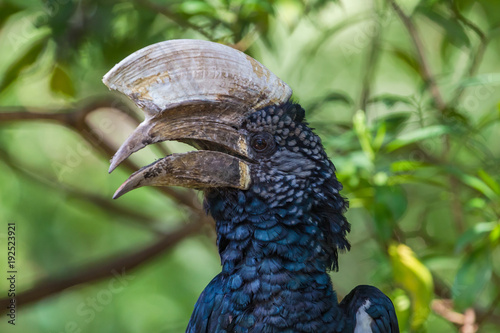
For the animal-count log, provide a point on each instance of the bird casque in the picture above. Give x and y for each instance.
(267, 181)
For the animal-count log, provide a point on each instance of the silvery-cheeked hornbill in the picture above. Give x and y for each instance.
(267, 182)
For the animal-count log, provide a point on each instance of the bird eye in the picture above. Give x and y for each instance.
(263, 142)
(259, 144)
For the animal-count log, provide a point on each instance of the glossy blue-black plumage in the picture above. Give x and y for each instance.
(278, 239)
(379, 308)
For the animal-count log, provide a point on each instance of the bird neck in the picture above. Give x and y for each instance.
(275, 260)
(296, 236)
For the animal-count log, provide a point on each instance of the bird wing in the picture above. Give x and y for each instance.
(370, 311)
(208, 309)
(383, 315)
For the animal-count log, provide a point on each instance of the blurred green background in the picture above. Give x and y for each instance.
(405, 96)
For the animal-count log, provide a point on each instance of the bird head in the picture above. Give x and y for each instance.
(255, 149)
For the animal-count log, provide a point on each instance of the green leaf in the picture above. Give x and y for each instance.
(417, 135)
(407, 165)
(492, 183)
(474, 183)
(389, 205)
(394, 122)
(476, 203)
(338, 96)
(481, 80)
(197, 8)
(407, 58)
(454, 30)
(465, 4)
(331, 32)
(334, 96)
(60, 82)
(490, 8)
(495, 235)
(380, 135)
(474, 234)
(390, 100)
(23, 62)
(487, 119)
(402, 305)
(364, 136)
(6, 10)
(415, 278)
(472, 277)
(412, 179)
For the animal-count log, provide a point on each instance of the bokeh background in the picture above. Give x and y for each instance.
(405, 95)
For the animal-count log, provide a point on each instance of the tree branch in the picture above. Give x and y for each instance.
(426, 73)
(106, 204)
(371, 63)
(71, 117)
(441, 106)
(464, 321)
(53, 285)
(478, 56)
(76, 119)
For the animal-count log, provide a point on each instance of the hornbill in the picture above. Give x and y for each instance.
(267, 182)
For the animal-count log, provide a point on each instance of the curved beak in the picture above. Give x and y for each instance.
(196, 92)
(197, 169)
(189, 128)
(221, 162)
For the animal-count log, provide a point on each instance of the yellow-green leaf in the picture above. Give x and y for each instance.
(495, 235)
(417, 135)
(490, 181)
(415, 279)
(61, 82)
(361, 128)
(476, 184)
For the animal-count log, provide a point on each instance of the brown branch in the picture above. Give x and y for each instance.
(188, 198)
(466, 21)
(106, 204)
(469, 325)
(246, 41)
(478, 56)
(440, 104)
(444, 308)
(20, 113)
(465, 321)
(456, 204)
(371, 64)
(483, 40)
(443, 291)
(76, 119)
(71, 117)
(425, 70)
(109, 268)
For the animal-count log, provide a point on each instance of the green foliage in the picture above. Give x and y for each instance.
(409, 116)
(416, 279)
